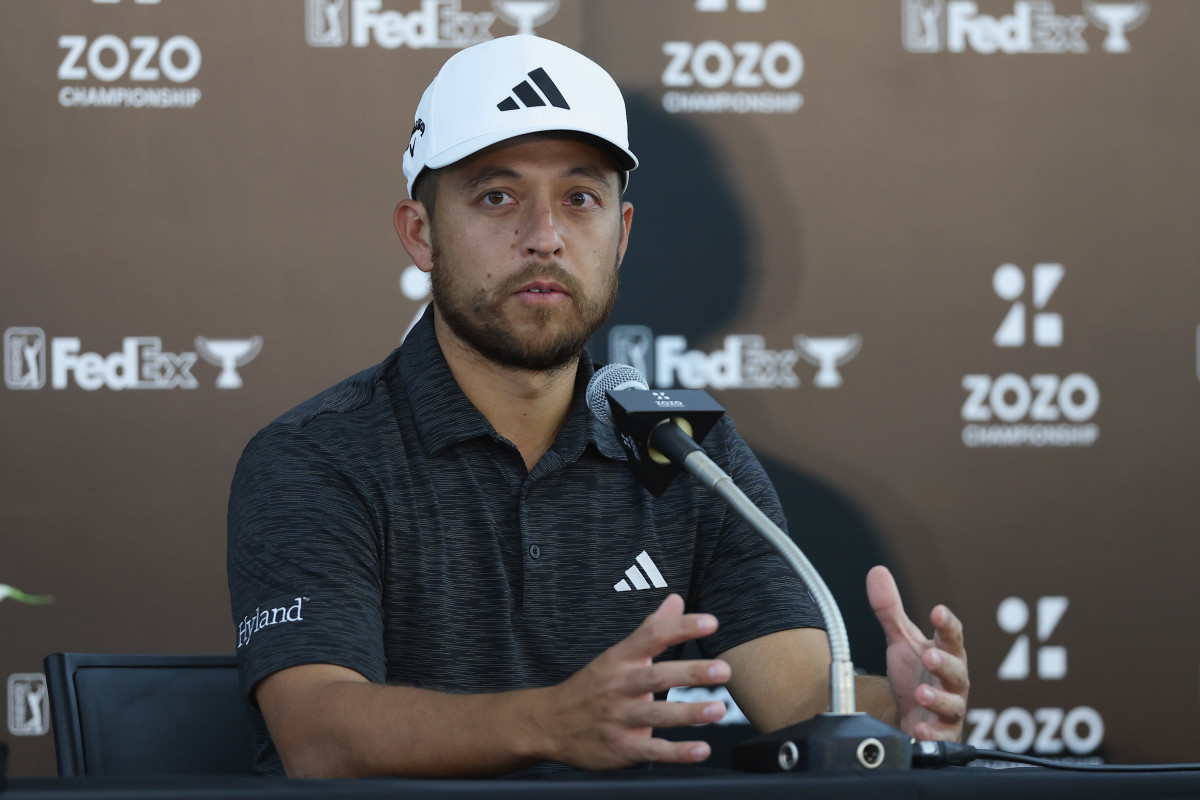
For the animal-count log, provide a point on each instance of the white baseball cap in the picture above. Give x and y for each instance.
(509, 87)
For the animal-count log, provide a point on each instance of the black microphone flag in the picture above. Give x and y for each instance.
(656, 427)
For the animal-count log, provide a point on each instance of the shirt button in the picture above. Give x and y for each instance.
(535, 552)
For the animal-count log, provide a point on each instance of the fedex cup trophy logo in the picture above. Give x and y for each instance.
(228, 354)
(1116, 18)
(828, 353)
(524, 15)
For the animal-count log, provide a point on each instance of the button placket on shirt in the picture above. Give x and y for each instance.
(532, 544)
(535, 536)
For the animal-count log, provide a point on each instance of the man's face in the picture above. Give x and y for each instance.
(527, 241)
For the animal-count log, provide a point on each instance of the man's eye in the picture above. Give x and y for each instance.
(580, 199)
(495, 198)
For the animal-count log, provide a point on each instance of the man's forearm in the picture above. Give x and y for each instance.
(873, 694)
(352, 728)
(329, 721)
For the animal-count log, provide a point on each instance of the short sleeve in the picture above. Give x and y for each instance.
(746, 584)
(304, 561)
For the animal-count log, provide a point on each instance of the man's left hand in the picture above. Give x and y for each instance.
(928, 677)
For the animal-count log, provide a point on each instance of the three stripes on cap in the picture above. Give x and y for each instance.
(529, 96)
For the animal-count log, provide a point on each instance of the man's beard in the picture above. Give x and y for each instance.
(543, 338)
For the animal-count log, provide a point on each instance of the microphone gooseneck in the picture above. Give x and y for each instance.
(666, 438)
(651, 426)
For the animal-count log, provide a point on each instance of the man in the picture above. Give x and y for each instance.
(425, 560)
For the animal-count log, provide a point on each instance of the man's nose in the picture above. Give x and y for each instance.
(540, 230)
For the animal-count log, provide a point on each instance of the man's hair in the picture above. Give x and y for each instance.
(424, 190)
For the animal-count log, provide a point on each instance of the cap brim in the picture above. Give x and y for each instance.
(624, 159)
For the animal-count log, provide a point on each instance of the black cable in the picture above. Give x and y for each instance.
(942, 754)
(1000, 755)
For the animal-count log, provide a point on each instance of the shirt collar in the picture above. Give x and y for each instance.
(444, 416)
(442, 413)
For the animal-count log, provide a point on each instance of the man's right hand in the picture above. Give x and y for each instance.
(330, 722)
(603, 716)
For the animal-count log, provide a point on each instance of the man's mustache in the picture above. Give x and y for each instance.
(549, 270)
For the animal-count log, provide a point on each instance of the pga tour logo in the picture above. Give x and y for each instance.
(934, 26)
(141, 363)
(28, 704)
(743, 363)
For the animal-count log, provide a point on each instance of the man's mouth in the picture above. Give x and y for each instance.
(542, 289)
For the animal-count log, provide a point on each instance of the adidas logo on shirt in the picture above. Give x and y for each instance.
(529, 97)
(636, 577)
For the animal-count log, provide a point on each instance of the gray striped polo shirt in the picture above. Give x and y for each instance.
(385, 526)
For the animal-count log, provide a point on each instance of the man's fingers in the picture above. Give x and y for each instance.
(948, 631)
(949, 707)
(666, 627)
(936, 731)
(663, 752)
(949, 669)
(664, 675)
(886, 603)
(671, 606)
(665, 714)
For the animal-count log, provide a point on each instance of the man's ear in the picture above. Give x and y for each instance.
(413, 227)
(626, 226)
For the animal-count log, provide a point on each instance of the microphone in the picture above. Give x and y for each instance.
(651, 426)
(611, 378)
(657, 429)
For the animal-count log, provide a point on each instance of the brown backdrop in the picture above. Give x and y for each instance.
(987, 211)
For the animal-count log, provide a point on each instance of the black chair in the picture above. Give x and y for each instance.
(148, 714)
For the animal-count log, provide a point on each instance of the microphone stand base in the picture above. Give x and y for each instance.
(827, 743)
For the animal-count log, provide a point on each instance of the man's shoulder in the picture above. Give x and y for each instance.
(360, 392)
(347, 417)
(344, 428)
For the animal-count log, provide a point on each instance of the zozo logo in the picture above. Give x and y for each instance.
(1044, 410)
(1013, 617)
(746, 65)
(1042, 398)
(108, 58)
(1045, 731)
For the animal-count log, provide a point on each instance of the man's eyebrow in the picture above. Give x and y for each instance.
(477, 179)
(487, 174)
(598, 175)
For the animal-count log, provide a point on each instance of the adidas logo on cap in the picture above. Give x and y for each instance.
(529, 96)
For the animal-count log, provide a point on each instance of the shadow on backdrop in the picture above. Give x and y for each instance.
(686, 270)
(687, 273)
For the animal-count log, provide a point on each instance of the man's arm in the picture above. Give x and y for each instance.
(783, 678)
(329, 721)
